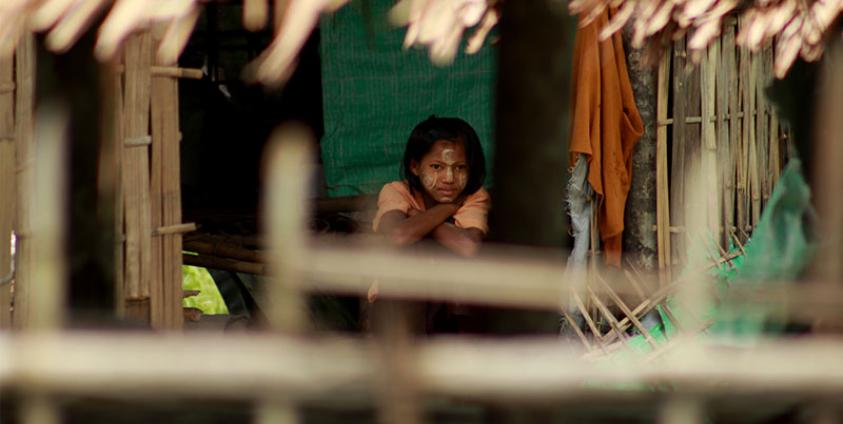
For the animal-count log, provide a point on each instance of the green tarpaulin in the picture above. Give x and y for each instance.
(374, 93)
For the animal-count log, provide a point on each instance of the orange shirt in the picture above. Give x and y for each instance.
(396, 196)
(605, 126)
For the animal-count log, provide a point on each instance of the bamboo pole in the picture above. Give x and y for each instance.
(762, 123)
(136, 178)
(47, 297)
(119, 201)
(722, 128)
(288, 171)
(25, 166)
(743, 180)
(662, 169)
(8, 181)
(304, 369)
(166, 309)
(755, 115)
(708, 132)
(679, 144)
(730, 171)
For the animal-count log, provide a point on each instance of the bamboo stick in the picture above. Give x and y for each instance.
(158, 313)
(172, 72)
(24, 154)
(226, 264)
(708, 100)
(136, 178)
(762, 123)
(288, 168)
(172, 208)
(679, 144)
(753, 165)
(625, 309)
(7, 189)
(175, 229)
(318, 369)
(47, 297)
(223, 250)
(662, 184)
(743, 182)
(119, 215)
(730, 153)
(722, 109)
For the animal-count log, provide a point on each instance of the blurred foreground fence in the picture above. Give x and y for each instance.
(286, 368)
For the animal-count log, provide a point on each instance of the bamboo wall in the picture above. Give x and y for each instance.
(144, 135)
(729, 135)
(151, 184)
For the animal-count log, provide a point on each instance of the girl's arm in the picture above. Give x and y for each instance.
(463, 241)
(404, 230)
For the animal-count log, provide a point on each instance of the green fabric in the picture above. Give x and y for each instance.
(209, 300)
(374, 92)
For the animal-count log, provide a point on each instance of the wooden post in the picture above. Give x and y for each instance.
(25, 167)
(533, 103)
(7, 187)
(165, 196)
(136, 179)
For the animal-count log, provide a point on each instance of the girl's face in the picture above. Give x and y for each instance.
(443, 171)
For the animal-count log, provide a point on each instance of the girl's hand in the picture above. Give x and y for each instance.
(412, 212)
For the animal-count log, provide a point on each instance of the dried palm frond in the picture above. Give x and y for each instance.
(797, 26)
(440, 24)
(64, 21)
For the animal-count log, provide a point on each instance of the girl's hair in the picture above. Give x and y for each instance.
(433, 129)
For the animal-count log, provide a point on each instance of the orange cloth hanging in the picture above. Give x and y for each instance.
(605, 127)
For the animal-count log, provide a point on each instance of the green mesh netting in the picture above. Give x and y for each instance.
(374, 93)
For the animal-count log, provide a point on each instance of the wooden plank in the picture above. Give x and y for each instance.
(677, 171)
(167, 310)
(662, 183)
(24, 155)
(136, 178)
(7, 189)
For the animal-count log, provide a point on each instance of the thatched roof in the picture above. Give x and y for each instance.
(799, 27)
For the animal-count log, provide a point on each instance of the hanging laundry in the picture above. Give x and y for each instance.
(605, 127)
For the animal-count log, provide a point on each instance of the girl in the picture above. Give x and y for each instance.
(442, 195)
